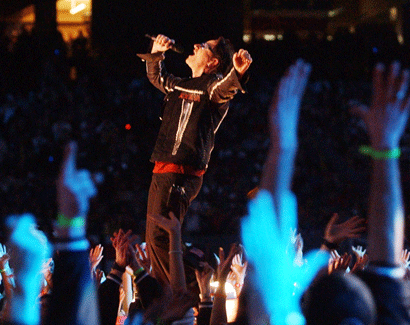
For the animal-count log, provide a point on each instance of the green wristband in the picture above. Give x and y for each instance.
(137, 272)
(387, 154)
(65, 222)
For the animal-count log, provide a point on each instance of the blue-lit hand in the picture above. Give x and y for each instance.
(281, 284)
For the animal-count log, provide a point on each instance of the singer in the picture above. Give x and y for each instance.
(193, 111)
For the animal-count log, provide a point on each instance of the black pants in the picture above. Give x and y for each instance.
(157, 239)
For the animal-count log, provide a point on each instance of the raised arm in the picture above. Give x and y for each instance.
(336, 233)
(218, 315)
(74, 290)
(385, 121)
(283, 117)
(241, 61)
(28, 249)
(176, 265)
(156, 71)
(272, 214)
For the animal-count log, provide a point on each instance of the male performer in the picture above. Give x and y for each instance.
(193, 110)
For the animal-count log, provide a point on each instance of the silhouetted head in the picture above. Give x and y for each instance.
(339, 299)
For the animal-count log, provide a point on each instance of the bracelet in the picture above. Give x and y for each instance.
(330, 245)
(202, 297)
(375, 154)
(175, 252)
(140, 270)
(65, 222)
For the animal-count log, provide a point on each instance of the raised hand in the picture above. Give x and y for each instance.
(361, 259)
(284, 110)
(162, 43)
(96, 256)
(239, 267)
(142, 257)
(203, 278)
(225, 264)
(4, 259)
(339, 263)
(267, 248)
(120, 241)
(405, 259)
(241, 61)
(6, 266)
(265, 232)
(358, 251)
(298, 242)
(74, 187)
(28, 248)
(98, 276)
(337, 233)
(387, 116)
(170, 225)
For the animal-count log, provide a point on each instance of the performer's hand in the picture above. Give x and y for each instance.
(241, 61)
(162, 43)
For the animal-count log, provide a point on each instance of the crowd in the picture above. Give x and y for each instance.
(315, 142)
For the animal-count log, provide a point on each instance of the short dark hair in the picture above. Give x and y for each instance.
(330, 299)
(223, 51)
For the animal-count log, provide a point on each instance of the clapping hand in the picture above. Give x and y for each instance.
(4, 259)
(339, 263)
(203, 278)
(6, 266)
(225, 264)
(239, 266)
(120, 241)
(142, 257)
(96, 256)
(361, 258)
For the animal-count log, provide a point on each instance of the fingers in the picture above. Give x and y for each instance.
(244, 55)
(221, 256)
(404, 84)
(155, 218)
(166, 223)
(333, 219)
(173, 217)
(164, 40)
(68, 167)
(354, 225)
(141, 253)
(301, 76)
(392, 81)
(395, 86)
(378, 84)
(358, 109)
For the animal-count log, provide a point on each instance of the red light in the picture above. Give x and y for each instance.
(128, 126)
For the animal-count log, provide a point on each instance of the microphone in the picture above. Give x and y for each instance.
(174, 47)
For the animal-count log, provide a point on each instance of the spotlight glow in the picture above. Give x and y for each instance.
(77, 9)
